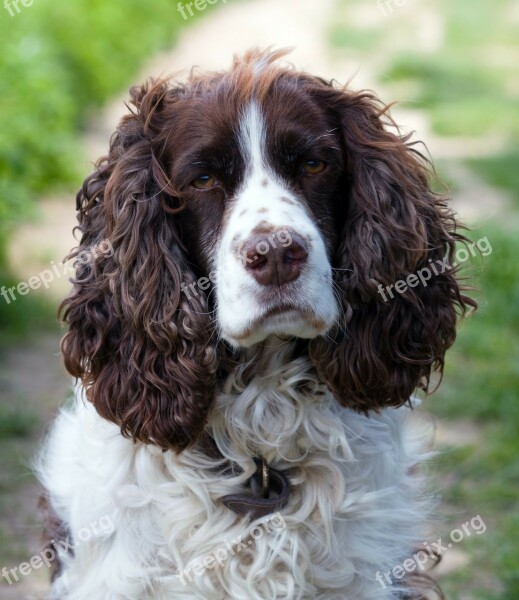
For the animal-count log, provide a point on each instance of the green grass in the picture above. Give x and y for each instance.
(467, 85)
(501, 170)
(351, 39)
(25, 315)
(481, 384)
(19, 428)
(488, 343)
(16, 422)
(17, 450)
(476, 26)
(460, 97)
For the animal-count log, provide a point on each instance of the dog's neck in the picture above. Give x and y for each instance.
(281, 412)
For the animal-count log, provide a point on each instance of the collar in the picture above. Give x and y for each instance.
(273, 485)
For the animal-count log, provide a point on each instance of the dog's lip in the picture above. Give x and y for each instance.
(272, 311)
(304, 313)
(281, 309)
(275, 311)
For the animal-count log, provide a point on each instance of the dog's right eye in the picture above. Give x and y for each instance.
(314, 167)
(204, 182)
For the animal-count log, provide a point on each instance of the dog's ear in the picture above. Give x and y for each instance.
(139, 344)
(395, 227)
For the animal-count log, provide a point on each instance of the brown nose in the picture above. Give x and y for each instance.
(270, 263)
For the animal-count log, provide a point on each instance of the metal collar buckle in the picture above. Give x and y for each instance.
(275, 492)
(265, 478)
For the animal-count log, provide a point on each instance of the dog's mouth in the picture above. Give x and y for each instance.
(281, 319)
(280, 310)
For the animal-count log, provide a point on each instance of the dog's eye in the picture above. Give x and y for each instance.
(204, 182)
(312, 167)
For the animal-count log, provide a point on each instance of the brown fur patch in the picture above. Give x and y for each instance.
(263, 227)
(53, 531)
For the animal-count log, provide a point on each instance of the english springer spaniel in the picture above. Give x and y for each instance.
(243, 417)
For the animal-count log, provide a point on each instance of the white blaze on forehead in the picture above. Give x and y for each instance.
(252, 139)
(262, 188)
(265, 199)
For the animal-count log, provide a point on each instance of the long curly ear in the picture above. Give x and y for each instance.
(140, 346)
(388, 341)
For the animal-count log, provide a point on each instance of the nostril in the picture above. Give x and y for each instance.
(253, 258)
(295, 253)
(257, 262)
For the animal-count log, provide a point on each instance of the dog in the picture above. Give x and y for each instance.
(243, 415)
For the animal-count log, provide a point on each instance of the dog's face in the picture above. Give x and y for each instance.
(261, 186)
(255, 202)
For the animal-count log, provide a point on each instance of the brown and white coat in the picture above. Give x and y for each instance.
(253, 214)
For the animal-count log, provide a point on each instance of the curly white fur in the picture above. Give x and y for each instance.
(355, 508)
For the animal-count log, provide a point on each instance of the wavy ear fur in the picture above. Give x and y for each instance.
(394, 225)
(141, 347)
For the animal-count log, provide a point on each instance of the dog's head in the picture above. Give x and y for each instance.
(256, 202)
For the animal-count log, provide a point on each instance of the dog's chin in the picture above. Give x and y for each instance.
(286, 323)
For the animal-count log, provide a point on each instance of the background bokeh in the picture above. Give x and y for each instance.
(452, 67)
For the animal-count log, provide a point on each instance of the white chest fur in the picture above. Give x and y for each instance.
(354, 508)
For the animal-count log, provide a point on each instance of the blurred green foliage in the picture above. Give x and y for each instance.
(58, 61)
(462, 99)
(469, 84)
(16, 422)
(502, 169)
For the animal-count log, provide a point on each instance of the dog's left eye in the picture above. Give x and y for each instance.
(312, 167)
(204, 182)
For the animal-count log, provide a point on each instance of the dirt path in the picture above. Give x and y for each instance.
(30, 375)
(32, 372)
